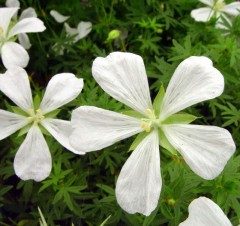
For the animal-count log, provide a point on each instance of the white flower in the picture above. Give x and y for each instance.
(216, 8)
(27, 13)
(58, 16)
(33, 159)
(82, 30)
(205, 212)
(206, 149)
(12, 53)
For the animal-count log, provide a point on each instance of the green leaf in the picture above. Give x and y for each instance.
(148, 220)
(36, 102)
(58, 196)
(68, 200)
(133, 114)
(42, 221)
(43, 130)
(19, 111)
(158, 100)
(181, 118)
(137, 140)
(52, 114)
(165, 143)
(24, 130)
(106, 188)
(104, 222)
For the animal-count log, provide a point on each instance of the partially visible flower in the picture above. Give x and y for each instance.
(33, 159)
(26, 13)
(82, 30)
(11, 52)
(58, 16)
(218, 9)
(205, 212)
(206, 149)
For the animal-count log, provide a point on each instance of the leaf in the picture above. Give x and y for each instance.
(133, 113)
(36, 102)
(137, 140)
(68, 200)
(106, 188)
(24, 130)
(19, 111)
(148, 220)
(165, 143)
(104, 222)
(52, 114)
(58, 196)
(42, 220)
(181, 118)
(158, 100)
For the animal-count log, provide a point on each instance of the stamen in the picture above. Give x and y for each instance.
(35, 117)
(146, 126)
(219, 5)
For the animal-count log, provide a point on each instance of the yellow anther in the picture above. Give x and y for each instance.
(149, 111)
(35, 117)
(219, 5)
(146, 126)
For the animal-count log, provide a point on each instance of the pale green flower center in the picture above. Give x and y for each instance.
(151, 121)
(219, 5)
(35, 116)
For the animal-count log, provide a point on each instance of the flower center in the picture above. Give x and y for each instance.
(151, 121)
(35, 116)
(219, 5)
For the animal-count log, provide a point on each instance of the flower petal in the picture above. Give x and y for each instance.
(33, 159)
(96, 128)
(58, 16)
(194, 80)
(24, 41)
(15, 85)
(5, 17)
(69, 30)
(207, 2)
(12, 3)
(206, 149)
(203, 211)
(202, 14)
(27, 25)
(139, 183)
(10, 123)
(28, 13)
(232, 9)
(61, 89)
(84, 28)
(14, 54)
(123, 76)
(60, 130)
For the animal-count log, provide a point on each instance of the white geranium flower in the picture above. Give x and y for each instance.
(27, 13)
(217, 8)
(33, 159)
(205, 212)
(206, 149)
(11, 52)
(82, 30)
(58, 16)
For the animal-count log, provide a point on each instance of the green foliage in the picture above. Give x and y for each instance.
(81, 188)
